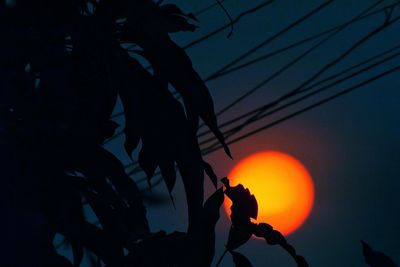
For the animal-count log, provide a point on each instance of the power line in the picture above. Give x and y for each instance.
(249, 52)
(271, 38)
(323, 69)
(329, 85)
(298, 43)
(257, 110)
(299, 112)
(254, 49)
(207, 8)
(296, 60)
(227, 123)
(317, 104)
(216, 31)
(225, 26)
(284, 49)
(320, 90)
(374, 12)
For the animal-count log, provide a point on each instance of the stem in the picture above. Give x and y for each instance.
(220, 258)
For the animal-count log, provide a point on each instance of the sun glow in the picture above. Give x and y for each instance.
(282, 186)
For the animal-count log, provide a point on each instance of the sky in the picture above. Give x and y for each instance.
(350, 145)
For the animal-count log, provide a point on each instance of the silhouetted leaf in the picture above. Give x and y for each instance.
(210, 173)
(274, 237)
(148, 164)
(96, 240)
(238, 236)
(375, 258)
(162, 127)
(244, 205)
(172, 19)
(212, 206)
(240, 260)
(93, 260)
(301, 261)
(214, 128)
(58, 260)
(74, 52)
(77, 252)
(262, 230)
(132, 139)
(203, 239)
(112, 195)
(175, 66)
(168, 171)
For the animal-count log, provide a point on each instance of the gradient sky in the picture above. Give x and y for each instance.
(350, 145)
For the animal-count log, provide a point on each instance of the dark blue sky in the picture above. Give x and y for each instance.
(350, 145)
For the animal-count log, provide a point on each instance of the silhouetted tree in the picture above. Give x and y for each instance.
(63, 66)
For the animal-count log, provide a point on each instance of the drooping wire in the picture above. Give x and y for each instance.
(326, 67)
(318, 91)
(298, 43)
(310, 107)
(228, 15)
(296, 90)
(249, 52)
(271, 38)
(207, 8)
(299, 112)
(390, 57)
(296, 60)
(373, 12)
(223, 27)
(247, 114)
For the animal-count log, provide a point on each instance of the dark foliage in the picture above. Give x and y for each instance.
(376, 258)
(63, 67)
(243, 209)
(240, 260)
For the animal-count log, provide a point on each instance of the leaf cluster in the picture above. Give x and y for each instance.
(64, 65)
(244, 208)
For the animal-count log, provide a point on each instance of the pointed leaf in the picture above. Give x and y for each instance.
(274, 237)
(192, 16)
(240, 260)
(212, 206)
(162, 53)
(210, 173)
(204, 238)
(221, 138)
(376, 258)
(77, 251)
(132, 139)
(168, 172)
(147, 163)
(301, 261)
(173, 19)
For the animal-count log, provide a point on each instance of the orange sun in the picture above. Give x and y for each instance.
(282, 186)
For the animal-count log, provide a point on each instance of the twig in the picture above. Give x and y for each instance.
(221, 257)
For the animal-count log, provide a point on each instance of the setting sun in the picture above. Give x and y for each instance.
(282, 186)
